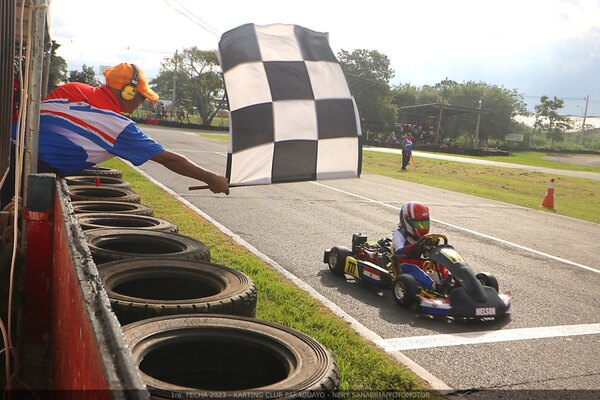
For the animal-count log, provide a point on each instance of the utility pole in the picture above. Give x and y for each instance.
(587, 99)
(174, 85)
(476, 144)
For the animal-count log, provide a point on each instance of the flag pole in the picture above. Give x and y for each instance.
(201, 187)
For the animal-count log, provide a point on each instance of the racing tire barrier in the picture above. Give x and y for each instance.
(91, 192)
(107, 181)
(102, 171)
(227, 356)
(94, 206)
(337, 260)
(113, 244)
(103, 220)
(142, 289)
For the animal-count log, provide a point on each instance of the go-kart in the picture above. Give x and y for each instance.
(440, 283)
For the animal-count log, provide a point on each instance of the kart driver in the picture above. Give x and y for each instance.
(409, 241)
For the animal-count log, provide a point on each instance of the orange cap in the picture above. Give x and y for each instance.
(120, 75)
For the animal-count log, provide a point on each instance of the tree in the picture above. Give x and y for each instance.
(87, 75)
(500, 106)
(549, 121)
(368, 73)
(198, 80)
(57, 72)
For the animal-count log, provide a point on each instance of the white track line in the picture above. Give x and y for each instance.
(483, 235)
(435, 383)
(504, 335)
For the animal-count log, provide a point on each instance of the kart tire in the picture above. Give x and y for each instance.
(142, 289)
(487, 279)
(113, 244)
(106, 220)
(405, 290)
(91, 192)
(107, 181)
(337, 260)
(92, 206)
(229, 357)
(101, 171)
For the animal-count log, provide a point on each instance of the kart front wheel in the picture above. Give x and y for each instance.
(487, 279)
(337, 260)
(405, 290)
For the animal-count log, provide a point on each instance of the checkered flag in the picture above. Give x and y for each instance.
(292, 117)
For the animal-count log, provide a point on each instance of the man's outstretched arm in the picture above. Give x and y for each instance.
(184, 166)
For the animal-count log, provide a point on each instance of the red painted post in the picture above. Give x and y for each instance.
(38, 251)
(38, 268)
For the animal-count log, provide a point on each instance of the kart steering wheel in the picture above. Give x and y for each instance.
(436, 238)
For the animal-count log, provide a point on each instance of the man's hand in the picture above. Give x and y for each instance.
(183, 166)
(218, 184)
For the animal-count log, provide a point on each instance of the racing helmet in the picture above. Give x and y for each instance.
(414, 219)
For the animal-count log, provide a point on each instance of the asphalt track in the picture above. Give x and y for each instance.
(550, 263)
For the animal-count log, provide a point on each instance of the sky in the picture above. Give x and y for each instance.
(537, 47)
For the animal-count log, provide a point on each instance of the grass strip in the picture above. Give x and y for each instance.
(574, 197)
(362, 365)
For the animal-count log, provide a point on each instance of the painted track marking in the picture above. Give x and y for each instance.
(504, 335)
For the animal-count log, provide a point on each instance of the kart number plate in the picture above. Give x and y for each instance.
(485, 311)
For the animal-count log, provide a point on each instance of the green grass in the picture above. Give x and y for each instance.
(574, 197)
(221, 137)
(362, 365)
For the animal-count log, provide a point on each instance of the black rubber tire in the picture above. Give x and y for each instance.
(405, 289)
(93, 206)
(91, 192)
(227, 356)
(337, 260)
(125, 244)
(488, 279)
(116, 220)
(108, 181)
(142, 289)
(101, 171)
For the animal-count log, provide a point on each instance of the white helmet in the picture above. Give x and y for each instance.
(414, 219)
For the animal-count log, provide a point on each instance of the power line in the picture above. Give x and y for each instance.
(201, 24)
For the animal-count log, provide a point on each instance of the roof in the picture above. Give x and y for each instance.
(433, 110)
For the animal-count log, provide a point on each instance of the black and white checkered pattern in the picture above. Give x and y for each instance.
(292, 115)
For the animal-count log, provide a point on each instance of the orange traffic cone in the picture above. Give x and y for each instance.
(548, 201)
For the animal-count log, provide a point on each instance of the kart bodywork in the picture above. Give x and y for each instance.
(442, 284)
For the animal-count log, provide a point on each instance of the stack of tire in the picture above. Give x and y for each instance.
(189, 323)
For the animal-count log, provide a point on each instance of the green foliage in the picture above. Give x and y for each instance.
(549, 121)
(197, 80)
(499, 106)
(57, 72)
(368, 73)
(86, 75)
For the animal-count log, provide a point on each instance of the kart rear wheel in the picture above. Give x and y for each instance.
(405, 290)
(487, 279)
(337, 260)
